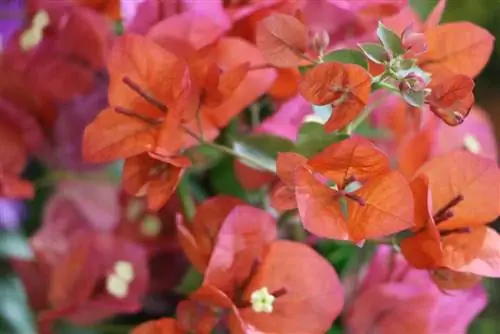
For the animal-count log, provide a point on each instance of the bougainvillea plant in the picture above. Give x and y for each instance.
(270, 166)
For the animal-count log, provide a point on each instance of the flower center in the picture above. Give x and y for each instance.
(118, 282)
(262, 300)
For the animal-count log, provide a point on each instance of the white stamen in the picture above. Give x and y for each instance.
(124, 270)
(116, 286)
(262, 301)
(34, 35)
(472, 144)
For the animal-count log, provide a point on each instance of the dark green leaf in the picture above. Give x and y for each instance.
(203, 157)
(347, 56)
(335, 330)
(191, 281)
(15, 316)
(262, 148)
(366, 130)
(312, 139)
(14, 245)
(390, 40)
(304, 69)
(375, 52)
(223, 180)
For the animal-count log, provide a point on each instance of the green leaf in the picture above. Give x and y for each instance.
(335, 330)
(262, 148)
(14, 245)
(203, 157)
(15, 315)
(415, 99)
(390, 40)
(312, 139)
(347, 56)
(366, 130)
(191, 281)
(305, 68)
(374, 52)
(223, 180)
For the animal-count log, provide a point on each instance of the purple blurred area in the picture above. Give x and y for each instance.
(11, 17)
(11, 213)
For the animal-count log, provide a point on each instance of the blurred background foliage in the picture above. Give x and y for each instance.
(15, 316)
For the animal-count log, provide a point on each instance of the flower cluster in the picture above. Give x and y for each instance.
(249, 135)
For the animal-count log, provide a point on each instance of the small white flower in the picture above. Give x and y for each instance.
(262, 301)
(124, 270)
(116, 286)
(472, 144)
(33, 36)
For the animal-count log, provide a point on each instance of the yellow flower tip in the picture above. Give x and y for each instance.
(151, 226)
(472, 144)
(41, 20)
(262, 301)
(116, 286)
(124, 270)
(34, 35)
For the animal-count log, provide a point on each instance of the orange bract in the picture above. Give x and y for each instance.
(282, 40)
(113, 136)
(346, 86)
(452, 98)
(144, 175)
(355, 157)
(458, 47)
(461, 173)
(381, 206)
(282, 195)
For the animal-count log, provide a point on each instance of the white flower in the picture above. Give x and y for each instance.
(262, 301)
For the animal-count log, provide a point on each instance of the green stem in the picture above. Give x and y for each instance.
(229, 151)
(254, 115)
(366, 113)
(186, 199)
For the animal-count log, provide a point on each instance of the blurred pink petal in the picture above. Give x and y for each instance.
(76, 206)
(476, 131)
(288, 119)
(80, 290)
(395, 298)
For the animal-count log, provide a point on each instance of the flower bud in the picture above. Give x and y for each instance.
(413, 42)
(412, 83)
(320, 41)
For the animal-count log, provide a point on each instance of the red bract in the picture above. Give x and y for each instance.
(292, 275)
(450, 215)
(452, 98)
(345, 86)
(70, 54)
(162, 326)
(99, 276)
(381, 206)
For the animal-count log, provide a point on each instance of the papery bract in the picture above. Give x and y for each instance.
(345, 86)
(282, 39)
(457, 47)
